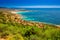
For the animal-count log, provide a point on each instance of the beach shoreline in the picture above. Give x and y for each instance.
(25, 22)
(21, 16)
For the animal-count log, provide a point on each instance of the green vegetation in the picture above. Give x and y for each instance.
(12, 30)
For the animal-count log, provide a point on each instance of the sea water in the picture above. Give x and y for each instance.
(46, 15)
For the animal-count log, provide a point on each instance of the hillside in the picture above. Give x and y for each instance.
(14, 28)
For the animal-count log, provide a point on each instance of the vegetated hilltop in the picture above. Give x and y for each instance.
(14, 28)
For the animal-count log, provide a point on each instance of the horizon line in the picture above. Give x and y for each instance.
(42, 6)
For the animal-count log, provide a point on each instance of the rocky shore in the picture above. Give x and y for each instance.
(16, 17)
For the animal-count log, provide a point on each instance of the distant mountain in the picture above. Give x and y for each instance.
(3, 7)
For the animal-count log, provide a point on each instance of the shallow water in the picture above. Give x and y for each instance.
(47, 15)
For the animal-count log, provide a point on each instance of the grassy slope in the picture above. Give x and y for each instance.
(11, 30)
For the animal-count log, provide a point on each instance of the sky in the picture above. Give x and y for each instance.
(29, 3)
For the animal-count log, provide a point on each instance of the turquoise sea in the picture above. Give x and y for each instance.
(46, 15)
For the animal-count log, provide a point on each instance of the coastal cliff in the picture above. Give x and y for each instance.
(12, 27)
